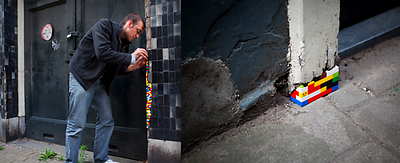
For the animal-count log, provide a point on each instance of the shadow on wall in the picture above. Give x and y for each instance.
(233, 52)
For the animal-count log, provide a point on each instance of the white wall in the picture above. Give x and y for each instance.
(21, 68)
(313, 32)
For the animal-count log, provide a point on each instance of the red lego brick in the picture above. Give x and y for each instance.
(319, 95)
(312, 89)
(294, 94)
(323, 75)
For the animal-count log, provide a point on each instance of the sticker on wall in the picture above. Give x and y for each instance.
(55, 45)
(47, 32)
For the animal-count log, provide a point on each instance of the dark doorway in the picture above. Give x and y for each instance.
(354, 11)
(46, 80)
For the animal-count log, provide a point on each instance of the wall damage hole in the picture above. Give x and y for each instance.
(282, 85)
(112, 148)
(48, 136)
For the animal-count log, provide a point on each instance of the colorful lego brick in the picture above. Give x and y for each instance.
(320, 95)
(323, 80)
(334, 70)
(149, 97)
(298, 102)
(302, 89)
(319, 87)
(323, 89)
(312, 87)
(335, 77)
(309, 96)
(301, 95)
(294, 94)
(335, 88)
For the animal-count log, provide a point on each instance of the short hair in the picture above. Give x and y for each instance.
(135, 18)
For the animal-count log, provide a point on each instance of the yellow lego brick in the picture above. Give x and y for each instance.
(323, 80)
(301, 95)
(323, 89)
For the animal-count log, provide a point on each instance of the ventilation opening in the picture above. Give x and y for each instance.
(48, 136)
(112, 148)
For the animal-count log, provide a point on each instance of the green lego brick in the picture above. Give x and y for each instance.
(335, 74)
(335, 79)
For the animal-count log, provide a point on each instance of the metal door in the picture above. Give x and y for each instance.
(46, 82)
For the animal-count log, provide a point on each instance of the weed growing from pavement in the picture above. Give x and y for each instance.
(60, 158)
(82, 154)
(1, 147)
(47, 155)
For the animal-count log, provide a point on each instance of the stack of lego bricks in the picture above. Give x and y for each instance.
(319, 87)
(149, 96)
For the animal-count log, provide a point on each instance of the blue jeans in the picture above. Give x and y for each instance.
(79, 102)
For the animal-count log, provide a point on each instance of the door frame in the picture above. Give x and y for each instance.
(74, 16)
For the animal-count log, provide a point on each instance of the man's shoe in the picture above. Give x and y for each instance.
(110, 161)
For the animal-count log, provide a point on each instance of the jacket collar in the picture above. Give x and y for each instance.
(120, 28)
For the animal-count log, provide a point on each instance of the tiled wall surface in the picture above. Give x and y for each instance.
(8, 59)
(165, 69)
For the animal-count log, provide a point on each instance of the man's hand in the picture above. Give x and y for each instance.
(140, 52)
(141, 61)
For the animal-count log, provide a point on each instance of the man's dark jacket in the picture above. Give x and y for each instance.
(101, 53)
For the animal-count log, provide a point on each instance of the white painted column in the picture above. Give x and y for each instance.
(313, 32)
(21, 59)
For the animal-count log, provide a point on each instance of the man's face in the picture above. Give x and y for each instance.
(133, 31)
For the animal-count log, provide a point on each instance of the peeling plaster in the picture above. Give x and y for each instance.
(245, 45)
(313, 31)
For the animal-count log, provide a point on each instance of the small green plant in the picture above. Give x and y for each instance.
(1, 147)
(82, 153)
(47, 155)
(60, 158)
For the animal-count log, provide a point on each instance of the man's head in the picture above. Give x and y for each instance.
(133, 26)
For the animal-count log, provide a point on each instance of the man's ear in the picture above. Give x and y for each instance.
(131, 24)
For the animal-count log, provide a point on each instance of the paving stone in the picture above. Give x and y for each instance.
(370, 152)
(381, 117)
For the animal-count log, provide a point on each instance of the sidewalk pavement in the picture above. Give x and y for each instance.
(28, 151)
(360, 122)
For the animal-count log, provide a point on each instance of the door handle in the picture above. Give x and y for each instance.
(71, 53)
(73, 34)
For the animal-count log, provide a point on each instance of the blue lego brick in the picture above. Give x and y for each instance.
(334, 88)
(298, 102)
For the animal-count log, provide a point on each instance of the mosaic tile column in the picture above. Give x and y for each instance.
(9, 56)
(165, 76)
(10, 126)
(165, 69)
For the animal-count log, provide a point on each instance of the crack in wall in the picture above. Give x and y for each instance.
(235, 48)
(216, 20)
(273, 16)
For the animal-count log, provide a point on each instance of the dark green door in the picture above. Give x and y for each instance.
(47, 74)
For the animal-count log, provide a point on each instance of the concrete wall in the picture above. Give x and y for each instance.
(232, 54)
(313, 31)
